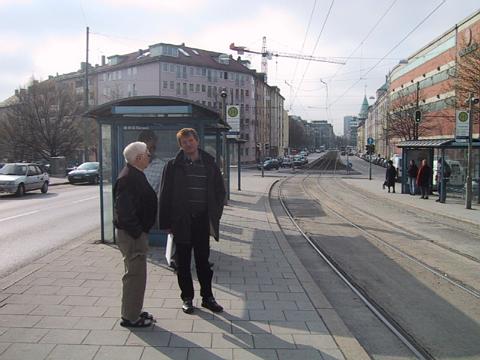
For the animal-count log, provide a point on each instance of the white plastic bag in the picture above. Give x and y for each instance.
(169, 249)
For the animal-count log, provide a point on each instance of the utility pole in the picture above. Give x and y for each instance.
(415, 135)
(85, 87)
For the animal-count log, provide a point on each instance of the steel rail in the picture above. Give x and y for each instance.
(394, 327)
(434, 271)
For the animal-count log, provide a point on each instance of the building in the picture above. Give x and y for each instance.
(198, 75)
(427, 81)
(323, 134)
(376, 122)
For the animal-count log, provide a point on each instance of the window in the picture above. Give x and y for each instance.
(197, 88)
(246, 151)
(199, 71)
(172, 85)
(134, 91)
(165, 67)
(184, 89)
(191, 71)
(204, 88)
(178, 89)
(209, 91)
(242, 98)
(247, 108)
(247, 93)
(209, 75)
(225, 75)
(184, 71)
(247, 136)
(179, 70)
(190, 87)
(165, 84)
(172, 67)
(119, 74)
(129, 90)
(104, 76)
(114, 75)
(204, 71)
(209, 104)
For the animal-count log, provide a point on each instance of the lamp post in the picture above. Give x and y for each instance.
(226, 162)
(468, 197)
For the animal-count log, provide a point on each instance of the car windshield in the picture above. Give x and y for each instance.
(13, 169)
(88, 166)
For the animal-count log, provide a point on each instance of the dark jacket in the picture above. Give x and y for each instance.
(412, 171)
(174, 205)
(390, 175)
(424, 176)
(135, 202)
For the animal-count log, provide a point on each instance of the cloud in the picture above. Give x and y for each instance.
(156, 5)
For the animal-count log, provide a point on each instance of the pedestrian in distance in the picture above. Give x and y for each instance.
(442, 177)
(135, 210)
(424, 178)
(412, 172)
(390, 176)
(192, 197)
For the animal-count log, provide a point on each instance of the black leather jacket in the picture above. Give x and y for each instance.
(135, 202)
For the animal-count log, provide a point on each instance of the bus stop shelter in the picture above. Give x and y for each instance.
(125, 120)
(454, 154)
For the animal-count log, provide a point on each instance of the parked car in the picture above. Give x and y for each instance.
(18, 178)
(269, 164)
(1, 165)
(287, 162)
(88, 172)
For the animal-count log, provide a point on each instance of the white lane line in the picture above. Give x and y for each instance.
(20, 215)
(86, 199)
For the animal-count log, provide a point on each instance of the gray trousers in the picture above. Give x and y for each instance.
(134, 253)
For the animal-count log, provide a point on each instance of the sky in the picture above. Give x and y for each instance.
(39, 38)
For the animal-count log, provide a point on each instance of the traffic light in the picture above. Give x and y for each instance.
(418, 116)
(370, 149)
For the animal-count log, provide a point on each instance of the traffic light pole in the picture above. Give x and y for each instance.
(468, 195)
(370, 167)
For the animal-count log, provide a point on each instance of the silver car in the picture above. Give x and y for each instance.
(18, 178)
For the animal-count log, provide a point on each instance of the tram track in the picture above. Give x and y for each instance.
(383, 314)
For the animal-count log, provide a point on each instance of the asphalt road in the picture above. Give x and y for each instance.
(37, 223)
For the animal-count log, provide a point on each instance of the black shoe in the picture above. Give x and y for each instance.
(212, 305)
(173, 265)
(426, 197)
(423, 197)
(187, 307)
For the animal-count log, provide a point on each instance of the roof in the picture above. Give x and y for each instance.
(364, 109)
(186, 56)
(435, 143)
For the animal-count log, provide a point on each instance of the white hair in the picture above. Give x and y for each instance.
(134, 149)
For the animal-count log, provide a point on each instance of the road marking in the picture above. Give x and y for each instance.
(17, 216)
(86, 199)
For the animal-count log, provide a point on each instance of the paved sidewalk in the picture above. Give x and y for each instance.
(66, 305)
(453, 207)
(54, 180)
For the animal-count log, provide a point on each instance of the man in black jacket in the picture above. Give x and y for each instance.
(135, 209)
(192, 196)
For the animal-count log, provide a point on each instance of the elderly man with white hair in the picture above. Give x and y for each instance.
(135, 209)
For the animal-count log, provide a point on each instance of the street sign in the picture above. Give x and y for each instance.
(233, 117)
(462, 126)
(370, 141)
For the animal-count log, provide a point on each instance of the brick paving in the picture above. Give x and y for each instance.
(66, 305)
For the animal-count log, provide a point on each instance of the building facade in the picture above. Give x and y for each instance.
(198, 75)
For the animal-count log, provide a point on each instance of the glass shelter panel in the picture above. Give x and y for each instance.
(106, 185)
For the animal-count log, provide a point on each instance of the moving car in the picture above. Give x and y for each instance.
(18, 178)
(87, 172)
(269, 164)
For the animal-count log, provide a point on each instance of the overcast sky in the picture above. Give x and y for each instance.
(44, 37)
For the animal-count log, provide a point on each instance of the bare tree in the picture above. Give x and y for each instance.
(467, 73)
(42, 122)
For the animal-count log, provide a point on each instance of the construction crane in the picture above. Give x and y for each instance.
(268, 55)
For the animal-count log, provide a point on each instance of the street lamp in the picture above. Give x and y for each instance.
(226, 162)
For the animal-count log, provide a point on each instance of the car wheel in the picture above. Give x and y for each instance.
(44, 188)
(20, 190)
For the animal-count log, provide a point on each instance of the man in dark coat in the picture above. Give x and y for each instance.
(424, 178)
(390, 176)
(191, 204)
(412, 176)
(135, 209)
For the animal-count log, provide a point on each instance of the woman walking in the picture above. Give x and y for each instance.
(424, 178)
